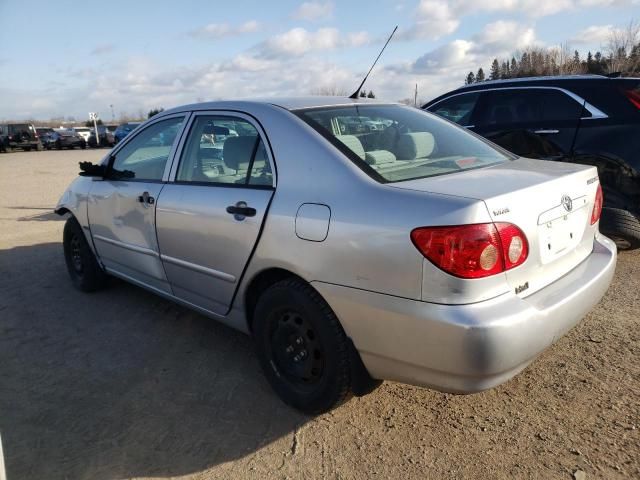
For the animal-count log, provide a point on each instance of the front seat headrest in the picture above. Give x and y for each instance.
(237, 151)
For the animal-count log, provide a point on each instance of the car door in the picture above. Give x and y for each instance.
(210, 216)
(122, 207)
(534, 122)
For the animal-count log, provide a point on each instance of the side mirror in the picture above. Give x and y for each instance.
(88, 169)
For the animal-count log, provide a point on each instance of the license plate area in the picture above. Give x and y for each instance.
(560, 236)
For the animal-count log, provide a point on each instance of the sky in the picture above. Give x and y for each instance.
(68, 58)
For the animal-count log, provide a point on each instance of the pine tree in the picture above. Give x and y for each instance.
(370, 94)
(363, 94)
(514, 67)
(504, 70)
(471, 78)
(495, 70)
(480, 75)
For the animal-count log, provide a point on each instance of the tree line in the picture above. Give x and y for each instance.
(621, 55)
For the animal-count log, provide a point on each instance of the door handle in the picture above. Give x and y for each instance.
(546, 131)
(146, 199)
(241, 210)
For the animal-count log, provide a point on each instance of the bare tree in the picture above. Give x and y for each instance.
(620, 46)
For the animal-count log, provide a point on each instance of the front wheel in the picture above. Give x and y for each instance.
(86, 275)
(302, 347)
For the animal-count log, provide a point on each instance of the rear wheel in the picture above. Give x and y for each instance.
(622, 227)
(83, 268)
(302, 347)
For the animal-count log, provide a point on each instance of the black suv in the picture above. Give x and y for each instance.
(19, 135)
(588, 119)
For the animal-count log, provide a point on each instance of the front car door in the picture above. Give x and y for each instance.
(533, 122)
(458, 108)
(210, 215)
(122, 207)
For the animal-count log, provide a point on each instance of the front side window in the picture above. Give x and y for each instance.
(458, 108)
(405, 144)
(224, 150)
(145, 156)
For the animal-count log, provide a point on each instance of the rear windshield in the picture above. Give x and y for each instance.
(393, 143)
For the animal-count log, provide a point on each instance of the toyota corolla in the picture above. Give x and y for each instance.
(415, 252)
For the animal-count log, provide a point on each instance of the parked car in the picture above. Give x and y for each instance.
(106, 138)
(84, 132)
(592, 120)
(19, 135)
(64, 138)
(419, 253)
(123, 130)
(44, 134)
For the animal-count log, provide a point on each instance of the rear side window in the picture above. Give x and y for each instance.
(458, 109)
(393, 143)
(532, 105)
(224, 150)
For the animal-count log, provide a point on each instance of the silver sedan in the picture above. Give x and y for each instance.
(414, 252)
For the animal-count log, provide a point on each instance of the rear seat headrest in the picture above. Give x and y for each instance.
(415, 145)
(353, 143)
(237, 151)
(379, 157)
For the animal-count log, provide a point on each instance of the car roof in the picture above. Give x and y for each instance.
(288, 103)
(560, 81)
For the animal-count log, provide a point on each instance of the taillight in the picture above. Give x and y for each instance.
(597, 206)
(472, 251)
(633, 96)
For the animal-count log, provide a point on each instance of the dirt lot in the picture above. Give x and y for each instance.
(122, 384)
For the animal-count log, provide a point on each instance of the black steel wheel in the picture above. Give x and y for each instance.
(84, 270)
(302, 347)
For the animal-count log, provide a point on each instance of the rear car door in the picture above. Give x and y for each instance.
(210, 215)
(534, 122)
(122, 208)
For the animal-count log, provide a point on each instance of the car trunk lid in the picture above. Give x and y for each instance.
(551, 202)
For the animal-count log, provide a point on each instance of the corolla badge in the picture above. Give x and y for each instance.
(567, 203)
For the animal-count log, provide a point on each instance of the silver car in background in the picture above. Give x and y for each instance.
(415, 252)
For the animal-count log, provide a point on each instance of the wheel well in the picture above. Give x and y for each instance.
(62, 211)
(259, 284)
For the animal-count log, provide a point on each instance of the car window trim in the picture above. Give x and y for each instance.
(595, 112)
(170, 159)
(172, 177)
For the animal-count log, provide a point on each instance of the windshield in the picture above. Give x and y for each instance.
(393, 143)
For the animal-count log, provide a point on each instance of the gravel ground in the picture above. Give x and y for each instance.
(122, 384)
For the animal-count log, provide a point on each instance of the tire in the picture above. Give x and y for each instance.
(26, 149)
(86, 275)
(303, 350)
(622, 227)
(83, 145)
(58, 145)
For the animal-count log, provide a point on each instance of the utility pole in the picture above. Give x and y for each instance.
(113, 115)
(415, 97)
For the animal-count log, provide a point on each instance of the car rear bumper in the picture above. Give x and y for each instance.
(473, 347)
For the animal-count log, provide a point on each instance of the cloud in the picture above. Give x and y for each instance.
(299, 41)
(103, 49)
(593, 34)
(503, 37)
(434, 18)
(313, 11)
(497, 39)
(220, 30)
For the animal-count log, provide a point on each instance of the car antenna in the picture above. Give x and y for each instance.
(355, 94)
